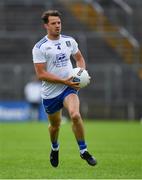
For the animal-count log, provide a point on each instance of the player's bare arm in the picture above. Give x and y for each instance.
(42, 74)
(80, 62)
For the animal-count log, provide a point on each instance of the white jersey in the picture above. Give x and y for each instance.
(56, 54)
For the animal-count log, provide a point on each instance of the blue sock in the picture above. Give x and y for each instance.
(55, 146)
(82, 145)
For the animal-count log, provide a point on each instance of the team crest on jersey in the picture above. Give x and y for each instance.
(68, 43)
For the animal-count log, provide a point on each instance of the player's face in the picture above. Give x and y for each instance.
(53, 26)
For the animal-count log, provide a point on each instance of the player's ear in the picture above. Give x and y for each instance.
(45, 26)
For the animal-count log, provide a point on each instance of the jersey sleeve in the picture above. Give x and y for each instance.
(74, 47)
(38, 55)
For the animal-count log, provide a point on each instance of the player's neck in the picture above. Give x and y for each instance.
(51, 37)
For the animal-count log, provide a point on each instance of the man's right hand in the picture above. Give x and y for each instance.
(69, 82)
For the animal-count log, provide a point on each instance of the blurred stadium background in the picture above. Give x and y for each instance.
(109, 33)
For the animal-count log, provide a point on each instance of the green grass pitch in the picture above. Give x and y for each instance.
(25, 148)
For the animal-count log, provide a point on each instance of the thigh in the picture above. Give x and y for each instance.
(71, 102)
(55, 118)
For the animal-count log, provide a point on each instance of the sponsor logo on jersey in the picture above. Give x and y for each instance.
(61, 60)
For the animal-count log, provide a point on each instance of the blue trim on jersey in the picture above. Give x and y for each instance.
(55, 104)
(42, 41)
(64, 36)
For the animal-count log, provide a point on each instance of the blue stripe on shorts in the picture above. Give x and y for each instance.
(55, 104)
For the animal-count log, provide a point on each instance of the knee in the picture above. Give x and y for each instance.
(55, 126)
(75, 116)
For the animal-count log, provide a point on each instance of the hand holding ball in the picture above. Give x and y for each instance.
(81, 75)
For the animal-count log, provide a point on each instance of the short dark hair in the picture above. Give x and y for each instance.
(48, 13)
